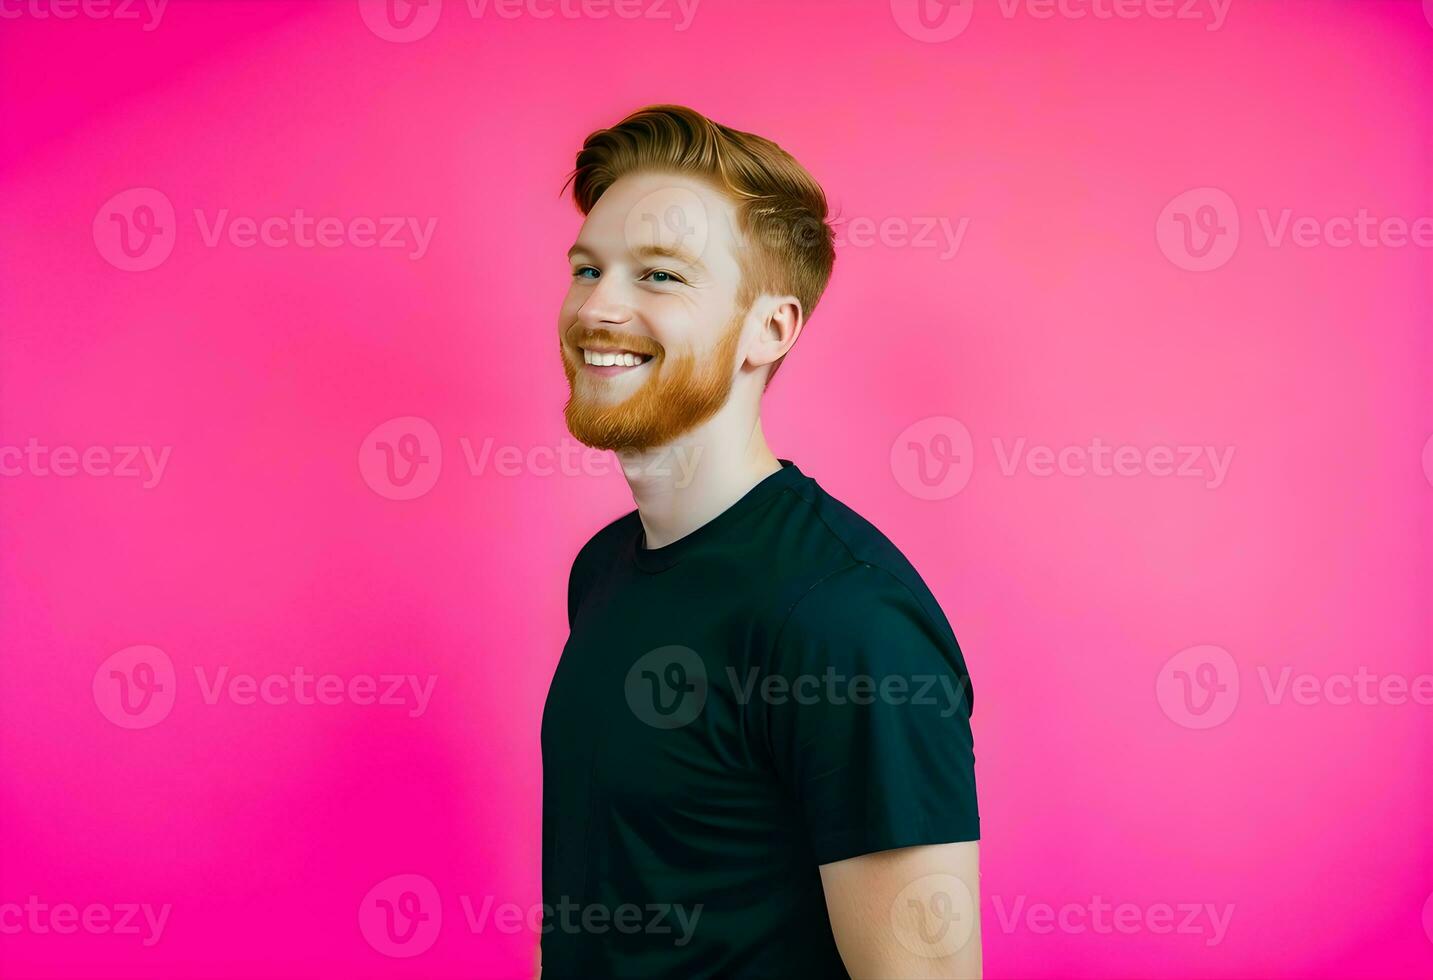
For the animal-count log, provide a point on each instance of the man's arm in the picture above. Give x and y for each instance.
(909, 912)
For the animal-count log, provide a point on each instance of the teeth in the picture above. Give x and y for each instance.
(611, 360)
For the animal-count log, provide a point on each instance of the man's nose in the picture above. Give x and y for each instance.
(608, 303)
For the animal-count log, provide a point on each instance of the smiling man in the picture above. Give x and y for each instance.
(757, 754)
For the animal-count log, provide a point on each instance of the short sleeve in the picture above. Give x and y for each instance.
(579, 579)
(865, 708)
(574, 590)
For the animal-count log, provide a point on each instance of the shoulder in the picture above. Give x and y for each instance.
(599, 552)
(855, 575)
(608, 539)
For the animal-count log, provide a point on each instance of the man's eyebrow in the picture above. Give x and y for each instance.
(652, 252)
(667, 252)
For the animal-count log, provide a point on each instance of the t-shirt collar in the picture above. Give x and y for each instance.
(660, 559)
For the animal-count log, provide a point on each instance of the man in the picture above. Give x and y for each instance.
(757, 756)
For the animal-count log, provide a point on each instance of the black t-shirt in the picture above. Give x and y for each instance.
(772, 692)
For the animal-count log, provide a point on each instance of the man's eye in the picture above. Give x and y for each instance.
(671, 276)
(580, 270)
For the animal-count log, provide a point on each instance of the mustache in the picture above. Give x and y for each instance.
(600, 337)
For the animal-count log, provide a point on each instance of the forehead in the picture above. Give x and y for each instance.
(649, 214)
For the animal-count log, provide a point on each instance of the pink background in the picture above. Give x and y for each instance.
(272, 540)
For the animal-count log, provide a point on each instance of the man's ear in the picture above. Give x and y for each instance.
(781, 321)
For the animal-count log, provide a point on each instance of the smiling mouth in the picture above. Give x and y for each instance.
(612, 361)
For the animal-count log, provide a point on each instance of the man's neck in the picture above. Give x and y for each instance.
(683, 485)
